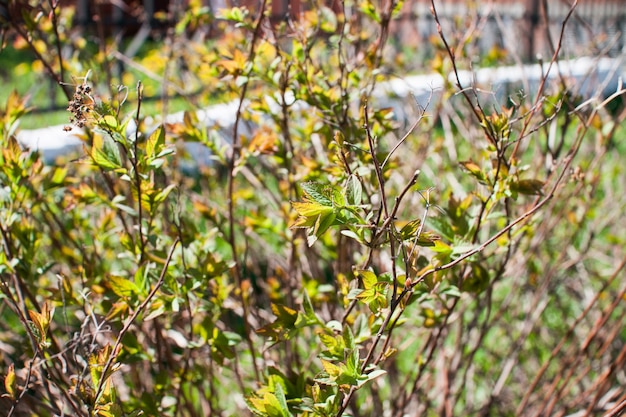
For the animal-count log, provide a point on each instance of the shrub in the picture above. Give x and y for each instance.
(330, 259)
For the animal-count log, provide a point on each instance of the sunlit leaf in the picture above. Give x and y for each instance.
(333, 370)
(282, 401)
(110, 122)
(369, 9)
(410, 229)
(397, 8)
(317, 192)
(41, 322)
(10, 382)
(105, 153)
(264, 141)
(122, 286)
(427, 239)
(310, 211)
(368, 278)
(475, 170)
(155, 142)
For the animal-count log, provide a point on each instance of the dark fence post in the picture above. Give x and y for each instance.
(529, 29)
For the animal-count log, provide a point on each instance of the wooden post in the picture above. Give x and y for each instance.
(530, 26)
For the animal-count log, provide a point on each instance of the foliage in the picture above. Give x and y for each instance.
(330, 260)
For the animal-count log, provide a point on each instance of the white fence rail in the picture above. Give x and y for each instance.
(588, 77)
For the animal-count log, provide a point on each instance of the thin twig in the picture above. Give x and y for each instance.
(232, 162)
(131, 320)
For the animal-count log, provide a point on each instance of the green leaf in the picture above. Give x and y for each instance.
(122, 287)
(282, 400)
(105, 153)
(352, 363)
(284, 314)
(116, 202)
(353, 235)
(307, 306)
(59, 176)
(162, 195)
(328, 19)
(317, 192)
(477, 281)
(348, 338)
(410, 229)
(427, 239)
(353, 190)
(234, 14)
(528, 187)
(321, 225)
(272, 406)
(284, 326)
(441, 247)
(109, 122)
(371, 376)
(375, 297)
(298, 51)
(334, 345)
(369, 9)
(331, 369)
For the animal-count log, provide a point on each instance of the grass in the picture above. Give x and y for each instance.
(22, 73)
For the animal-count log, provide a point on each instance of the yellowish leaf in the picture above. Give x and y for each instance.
(10, 383)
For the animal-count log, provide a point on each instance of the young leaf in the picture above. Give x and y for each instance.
(371, 376)
(475, 170)
(10, 383)
(109, 122)
(41, 322)
(367, 277)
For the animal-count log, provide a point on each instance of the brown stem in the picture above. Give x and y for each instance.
(131, 320)
(236, 150)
